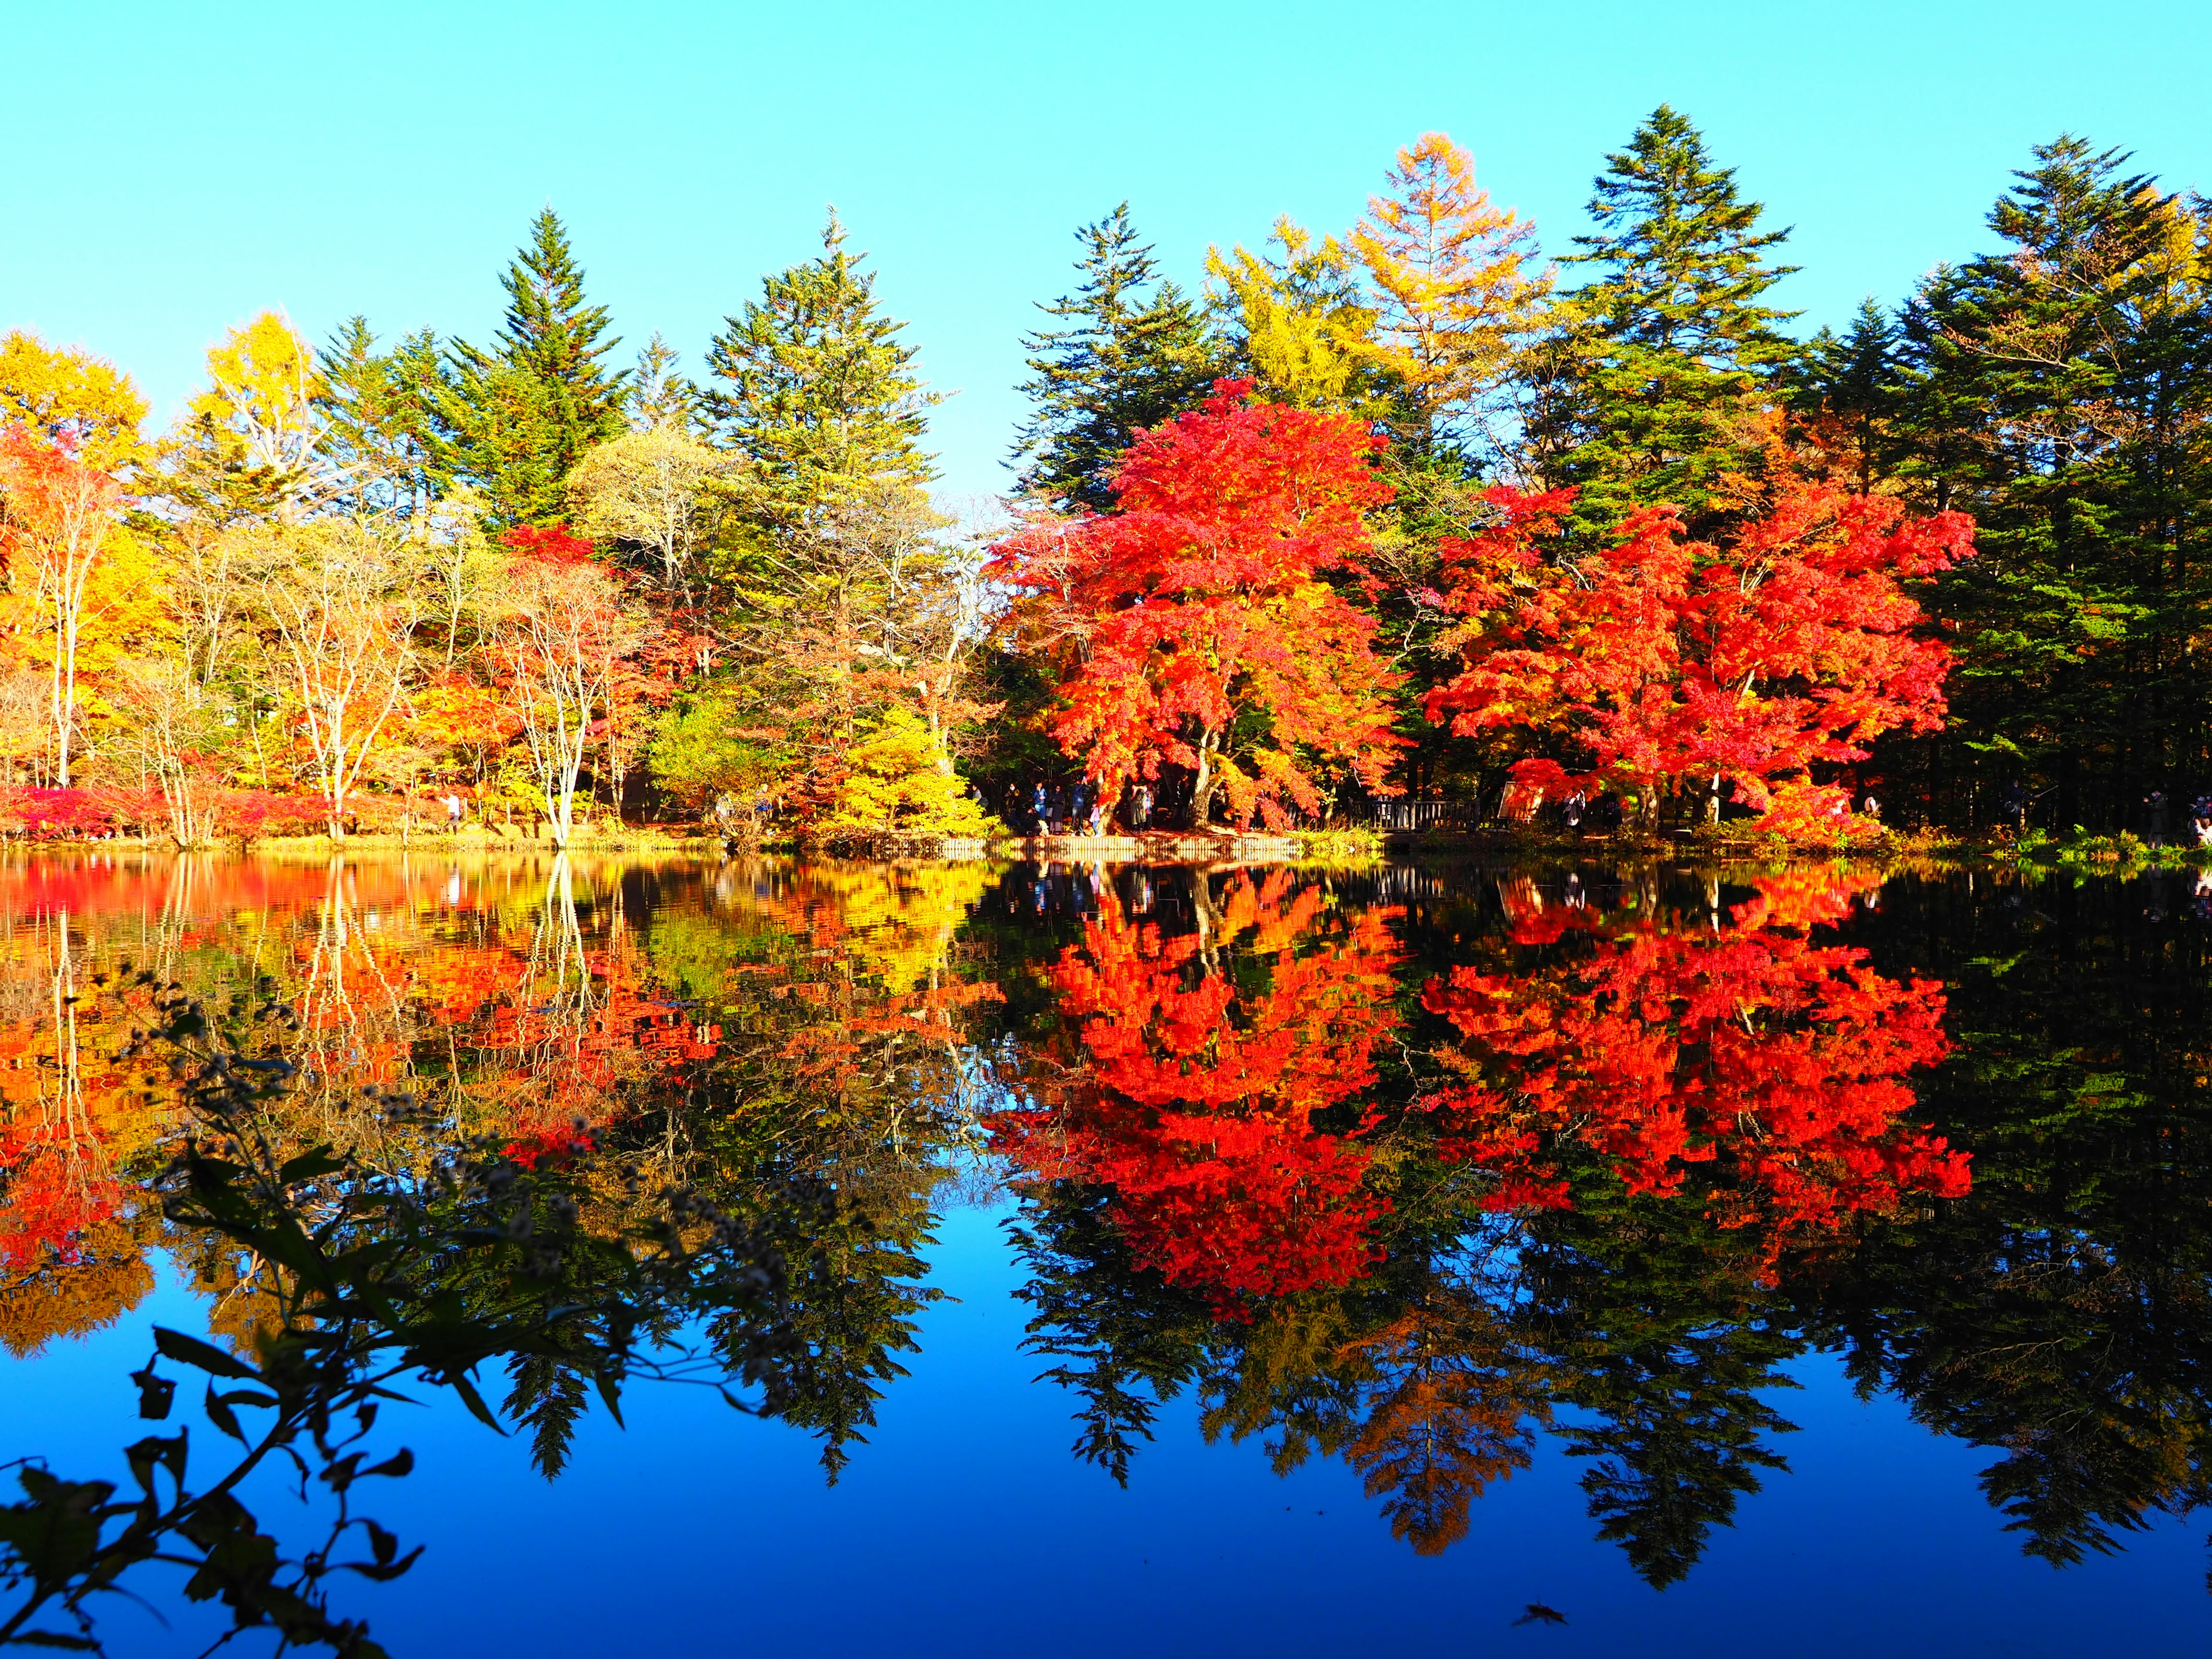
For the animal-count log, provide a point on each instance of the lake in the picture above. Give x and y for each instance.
(986, 1260)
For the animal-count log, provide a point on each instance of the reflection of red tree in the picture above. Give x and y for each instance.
(58, 1187)
(1779, 1063)
(1195, 1101)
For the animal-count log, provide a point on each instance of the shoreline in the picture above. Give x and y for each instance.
(1226, 848)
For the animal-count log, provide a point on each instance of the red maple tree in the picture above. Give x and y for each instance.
(1662, 659)
(1193, 624)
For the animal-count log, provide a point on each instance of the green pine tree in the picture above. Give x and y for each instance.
(660, 397)
(2061, 392)
(376, 419)
(1136, 351)
(812, 385)
(1680, 342)
(514, 419)
(1856, 381)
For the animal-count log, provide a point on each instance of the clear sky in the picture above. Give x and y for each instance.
(180, 167)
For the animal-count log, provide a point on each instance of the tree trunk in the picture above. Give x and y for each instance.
(1206, 784)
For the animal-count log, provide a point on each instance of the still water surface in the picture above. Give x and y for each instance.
(1113, 1261)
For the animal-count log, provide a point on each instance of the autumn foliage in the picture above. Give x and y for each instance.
(1196, 1102)
(1788, 646)
(1196, 625)
(1749, 1065)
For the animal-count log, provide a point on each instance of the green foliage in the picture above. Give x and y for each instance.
(2061, 391)
(1678, 340)
(1857, 381)
(514, 419)
(813, 386)
(710, 746)
(1125, 360)
(377, 426)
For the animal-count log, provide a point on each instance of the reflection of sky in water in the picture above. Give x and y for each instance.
(964, 1529)
(964, 1526)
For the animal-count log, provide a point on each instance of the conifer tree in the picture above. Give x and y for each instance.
(660, 397)
(1855, 382)
(1454, 296)
(814, 387)
(1679, 340)
(1134, 350)
(2061, 393)
(376, 432)
(514, 419)
(1300, 328)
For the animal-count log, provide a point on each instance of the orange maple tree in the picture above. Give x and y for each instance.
(1195, 625)
(1659, 659)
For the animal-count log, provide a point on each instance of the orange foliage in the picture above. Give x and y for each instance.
(1203, 596)
(1663, 659)
(1776, 1065)
(1452, 1409)
(1196, 1103)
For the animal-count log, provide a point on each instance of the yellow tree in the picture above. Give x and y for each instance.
(58, 518)
(1450, 272)
(67, 393)
(247, 446)
(652, 490)
(1308, 329)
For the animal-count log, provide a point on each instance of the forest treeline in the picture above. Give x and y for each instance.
(1419, 508)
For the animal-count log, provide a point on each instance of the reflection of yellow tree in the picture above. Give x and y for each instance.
(896, 919)
(69, 1250)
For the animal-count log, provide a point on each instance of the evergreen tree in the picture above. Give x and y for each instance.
(1856, 382)
(817, 391)
(1134, 351)
(2061, 392)
(1666, 1351)
(660, 397)
(514, 419)
(376, 411)
(1679, 344)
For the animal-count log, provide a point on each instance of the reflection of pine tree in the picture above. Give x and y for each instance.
(2060, 1313)
(1661, 1337)
(1127, 1341)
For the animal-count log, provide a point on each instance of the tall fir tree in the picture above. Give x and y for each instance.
(2061, 391)
(661, 398)
(1134, 350)
(1680, 346)
(813, 386)
(1454, 300)
(375, 410)
(514, 418)
(1852, 386)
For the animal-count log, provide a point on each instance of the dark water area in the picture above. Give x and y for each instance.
(959, 1260)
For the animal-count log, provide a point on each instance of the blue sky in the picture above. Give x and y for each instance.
(177, 167)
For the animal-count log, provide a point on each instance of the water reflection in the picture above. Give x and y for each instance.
(1421, 1170)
